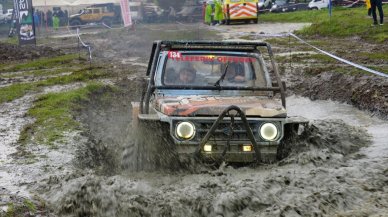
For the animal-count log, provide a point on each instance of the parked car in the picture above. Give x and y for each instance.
(318, 4)
(9, 14)
(265, 5)
(3, 18)
(289, 5)
(6, 17)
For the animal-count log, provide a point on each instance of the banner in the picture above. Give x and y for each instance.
(126, 13)
(25, 21)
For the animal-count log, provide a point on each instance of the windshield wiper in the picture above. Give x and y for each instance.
(217, 84)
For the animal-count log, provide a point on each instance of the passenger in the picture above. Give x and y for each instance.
(235, 73)
(187, 76)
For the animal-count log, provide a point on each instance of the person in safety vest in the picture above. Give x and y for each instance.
(218, 13)
(368, 7)
(208, 13)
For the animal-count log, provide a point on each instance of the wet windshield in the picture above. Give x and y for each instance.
(214, 70)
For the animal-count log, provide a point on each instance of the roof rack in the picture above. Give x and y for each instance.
(213, 45)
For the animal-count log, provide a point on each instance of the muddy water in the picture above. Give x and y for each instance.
(12, 119)
(334, 170)
(325, 110)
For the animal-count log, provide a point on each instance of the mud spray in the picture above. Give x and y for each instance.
(329, 172)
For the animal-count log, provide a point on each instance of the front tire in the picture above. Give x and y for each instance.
(75, 23)
(107, 21)
(149, 148)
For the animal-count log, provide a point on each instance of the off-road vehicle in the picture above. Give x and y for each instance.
(100, 13)
(214, 101)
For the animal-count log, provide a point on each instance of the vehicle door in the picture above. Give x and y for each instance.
(87, 16)
(302, 4)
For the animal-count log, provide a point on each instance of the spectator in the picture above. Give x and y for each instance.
(208, 13)
(66, 17)
(368, 7)
(218, 13)
(61, 16)
(379, 5)
(55, 20)
(49, 18)
(172, 14)
(36, 19)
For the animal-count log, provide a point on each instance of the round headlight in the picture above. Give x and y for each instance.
(185, 130)
(269, 131)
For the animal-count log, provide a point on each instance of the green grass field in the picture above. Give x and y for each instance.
(344, 22)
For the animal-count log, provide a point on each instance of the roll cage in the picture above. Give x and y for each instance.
(252, 47)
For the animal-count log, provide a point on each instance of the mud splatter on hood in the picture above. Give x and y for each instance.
(209, 105)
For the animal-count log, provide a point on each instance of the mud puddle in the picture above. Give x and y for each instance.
(23, 166)
(238, 31)
(334, 170)
(326, 110)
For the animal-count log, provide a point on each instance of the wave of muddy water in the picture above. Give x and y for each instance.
(333, 170)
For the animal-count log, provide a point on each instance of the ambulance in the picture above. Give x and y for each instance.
(241, 10)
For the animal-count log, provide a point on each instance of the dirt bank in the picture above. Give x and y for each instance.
(368, 93)
(10, 52)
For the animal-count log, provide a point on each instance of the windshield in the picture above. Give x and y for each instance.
(214, 70)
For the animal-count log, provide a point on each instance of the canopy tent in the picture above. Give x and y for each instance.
(44, 3)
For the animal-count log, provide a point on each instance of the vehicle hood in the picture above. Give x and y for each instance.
(75, 15)
(212, 106)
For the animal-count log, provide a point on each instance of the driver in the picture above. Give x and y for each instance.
(187, 76)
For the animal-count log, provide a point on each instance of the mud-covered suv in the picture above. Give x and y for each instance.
(103, 13)
(217, 101)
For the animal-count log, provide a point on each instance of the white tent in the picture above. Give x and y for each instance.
(44, 3)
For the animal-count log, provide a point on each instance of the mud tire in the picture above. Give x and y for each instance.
(107, 21)
(149, 149)
(75, 23)
(290, 137)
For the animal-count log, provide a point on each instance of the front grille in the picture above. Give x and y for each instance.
(221, 134)
(238, 131)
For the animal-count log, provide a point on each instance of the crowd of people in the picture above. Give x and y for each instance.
(213, 12)
(55, 18)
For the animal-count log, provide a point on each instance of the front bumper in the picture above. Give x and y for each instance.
(234, 153)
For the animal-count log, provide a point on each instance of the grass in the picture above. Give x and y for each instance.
(18, 209)
(345, 22)
(15, 91)
(375, 55)
(39, 72)
(53, 113)
(42, 63)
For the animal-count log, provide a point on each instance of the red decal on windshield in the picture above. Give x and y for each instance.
(174, 55)
(177, 56)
